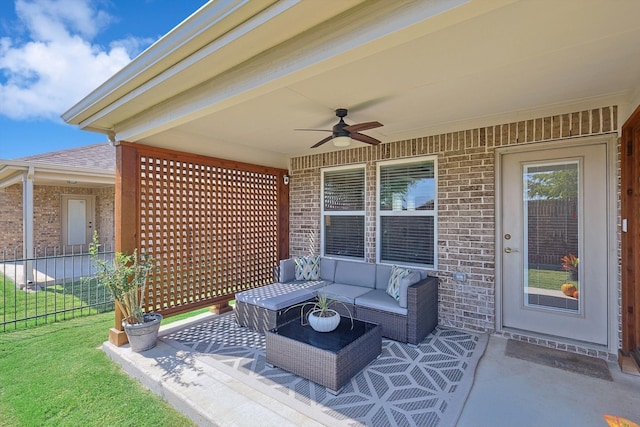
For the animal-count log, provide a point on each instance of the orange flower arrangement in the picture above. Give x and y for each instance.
(570, 262)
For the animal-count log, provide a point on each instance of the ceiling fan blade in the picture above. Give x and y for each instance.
(316, 130)
(364, 138)
(329, 138)
(362, 126)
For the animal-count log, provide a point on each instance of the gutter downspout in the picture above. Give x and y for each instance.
(27, 226)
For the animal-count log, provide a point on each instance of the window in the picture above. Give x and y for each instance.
(343, 212)
(407, 212)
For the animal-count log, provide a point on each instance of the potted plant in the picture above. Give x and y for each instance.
(570, 265)
(320, 315)
(126, 278)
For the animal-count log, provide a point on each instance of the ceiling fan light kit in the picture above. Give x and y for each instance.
(341, 141)
(342, 133)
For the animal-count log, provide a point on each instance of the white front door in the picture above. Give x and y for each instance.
(554, 242)
(77, 219)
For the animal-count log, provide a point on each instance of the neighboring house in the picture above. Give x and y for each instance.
(51, 203)
(488, 109)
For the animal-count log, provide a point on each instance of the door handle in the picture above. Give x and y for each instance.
(509, 250)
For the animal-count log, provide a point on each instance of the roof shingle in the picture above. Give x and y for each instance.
(95, 156)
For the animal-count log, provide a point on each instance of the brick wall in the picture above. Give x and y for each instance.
(47, 220)
(11, 219)
(304, 212)
(466, 203)
(105, 216)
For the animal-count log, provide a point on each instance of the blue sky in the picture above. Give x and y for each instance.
(55, 52)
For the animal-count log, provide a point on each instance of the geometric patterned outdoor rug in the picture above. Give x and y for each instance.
(424, 385)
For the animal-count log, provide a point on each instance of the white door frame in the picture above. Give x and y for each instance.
(613, 237)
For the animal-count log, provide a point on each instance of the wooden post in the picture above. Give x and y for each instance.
(629, 354)
(283, 215)
(221, 307)
(117, 336)
(126, 218)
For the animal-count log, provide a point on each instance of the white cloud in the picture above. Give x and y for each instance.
(45, 75)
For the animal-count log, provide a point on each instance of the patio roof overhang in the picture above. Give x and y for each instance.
(237, 77)
(14, 171)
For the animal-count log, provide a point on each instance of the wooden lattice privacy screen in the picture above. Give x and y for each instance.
(213, 227)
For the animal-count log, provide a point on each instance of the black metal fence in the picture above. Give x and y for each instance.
(49, 287)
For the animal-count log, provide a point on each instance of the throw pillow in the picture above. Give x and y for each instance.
(397, 274)
(307, 268)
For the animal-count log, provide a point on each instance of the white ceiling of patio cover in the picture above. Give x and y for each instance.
(493, 68)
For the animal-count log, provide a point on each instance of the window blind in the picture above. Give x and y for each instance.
(343, 213)
(406, 212)
(407, 240)
(344, 190)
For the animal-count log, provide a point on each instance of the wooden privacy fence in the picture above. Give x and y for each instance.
(213, 227)
(552, 230)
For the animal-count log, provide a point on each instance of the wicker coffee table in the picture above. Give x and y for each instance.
(330, 359)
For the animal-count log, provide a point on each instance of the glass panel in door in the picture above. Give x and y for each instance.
(551, 227)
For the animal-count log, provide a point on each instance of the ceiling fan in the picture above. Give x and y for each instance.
(342, 133)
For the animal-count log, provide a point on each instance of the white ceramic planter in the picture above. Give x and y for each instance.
(143, 336)
(324, 324)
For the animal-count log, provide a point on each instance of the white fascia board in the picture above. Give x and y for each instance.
(13, 164)
(8, 166)
(42, 169)
(13, 179)
(76, 176)
(209, 17)
(64, 169)
(374, 27)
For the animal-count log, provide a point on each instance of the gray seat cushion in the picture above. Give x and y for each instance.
(378, 299)
(342, 292)
(278, 296)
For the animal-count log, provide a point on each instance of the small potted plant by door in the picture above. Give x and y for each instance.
(126, 278)
(320, 315)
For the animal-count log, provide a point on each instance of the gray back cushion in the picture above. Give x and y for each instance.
(287, 270)
(327, 269)
(423, 273)
(355, 273)
(412, 278)
(383, 273)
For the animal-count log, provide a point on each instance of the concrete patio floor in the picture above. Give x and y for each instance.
(506, 391)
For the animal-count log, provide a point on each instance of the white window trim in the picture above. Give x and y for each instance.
(337, 213)
(433, 213)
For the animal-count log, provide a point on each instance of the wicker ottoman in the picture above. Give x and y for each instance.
(266, 307)
(330, 359)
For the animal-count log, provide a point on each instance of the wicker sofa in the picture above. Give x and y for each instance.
(360, 286)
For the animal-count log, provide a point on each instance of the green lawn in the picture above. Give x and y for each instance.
(548, 279)
(55, 374)
(69, 300)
